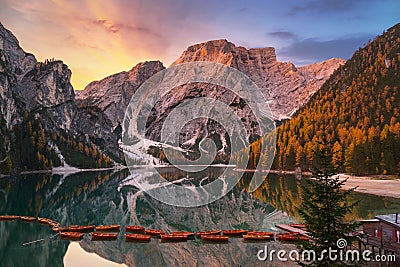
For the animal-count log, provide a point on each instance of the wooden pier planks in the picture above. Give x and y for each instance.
(291, 229)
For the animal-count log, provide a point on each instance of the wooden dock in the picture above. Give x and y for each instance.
(291, 229)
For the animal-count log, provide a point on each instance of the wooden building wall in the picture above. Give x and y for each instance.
(386, 240)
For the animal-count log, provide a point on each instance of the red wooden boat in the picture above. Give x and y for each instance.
(104, 236)
(54, 224)
(260, 233)
(215, 238)
(137, 238)
(234, 232)
(43, 220)
(27, 219)
(8, 217)
(291, 237)
(71, 235)
(278, 236)
(212, 232)
(55, 229)
(154, 232)
(173, 238)
(298, 226)
(83, 228)
(49, 222)
(134, 229)
(256, 237)
(108, 228)
(188, 234)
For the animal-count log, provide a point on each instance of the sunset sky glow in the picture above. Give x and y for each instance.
(99, 38)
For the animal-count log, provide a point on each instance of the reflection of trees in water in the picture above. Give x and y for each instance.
(284, 193)
(93, 198)
(173, 174)
(44, 194)
(50, 196)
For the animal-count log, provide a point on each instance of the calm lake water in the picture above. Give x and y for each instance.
(110, 198)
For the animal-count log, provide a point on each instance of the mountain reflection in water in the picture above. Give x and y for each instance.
(109, 198)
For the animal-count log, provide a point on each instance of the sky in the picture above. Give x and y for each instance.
(99, 38)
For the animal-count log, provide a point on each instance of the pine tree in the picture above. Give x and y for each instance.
(324, 208)
(337, 157)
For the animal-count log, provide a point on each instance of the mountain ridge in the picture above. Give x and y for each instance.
(284, 85)
(357, 109)
(38, 113)
(88, 122)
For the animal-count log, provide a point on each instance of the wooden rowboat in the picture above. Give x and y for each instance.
(291, 237)
(27, 219)
(108, 228)
(215, 238)
(54, 225)
(137, 238)
(259, 233)
(188, 234)
(173, 238)
(71, 235)
(154, 232)
(104, 236)
(83, 228)
(234, 232)
(212, 232)
(134, 229)
(43, 220)
(256, 237)
(8, 217)
(49, 222)
(280, 235)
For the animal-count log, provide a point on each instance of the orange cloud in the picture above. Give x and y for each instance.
(99, 38)
(95, 38)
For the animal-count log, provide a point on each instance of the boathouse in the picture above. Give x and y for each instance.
(383, 233)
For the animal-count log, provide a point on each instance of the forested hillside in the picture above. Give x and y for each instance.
(358, 108)
(34, 148)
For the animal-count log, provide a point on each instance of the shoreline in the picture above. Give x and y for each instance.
(66, 170)
(372, 185)
(380, 185)
(274, 172)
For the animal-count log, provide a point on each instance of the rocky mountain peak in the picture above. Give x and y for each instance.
(322, 69)
(225, 52)
(285, 86)
(29, 85)
(102, 104)
(47, 85)
(118, 84)
(19, 61)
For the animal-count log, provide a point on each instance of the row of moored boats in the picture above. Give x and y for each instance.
(136, 233)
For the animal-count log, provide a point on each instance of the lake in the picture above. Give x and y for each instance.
(110, 197)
